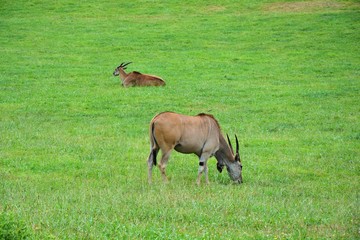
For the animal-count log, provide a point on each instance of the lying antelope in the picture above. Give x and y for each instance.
(200, 135)
(135, 78)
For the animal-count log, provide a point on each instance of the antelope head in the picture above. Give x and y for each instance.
(234, 167)
(121, 66)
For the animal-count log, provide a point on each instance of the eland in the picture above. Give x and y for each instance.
(136, 78)
(201, 135)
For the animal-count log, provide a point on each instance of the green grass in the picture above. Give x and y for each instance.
(283, 76)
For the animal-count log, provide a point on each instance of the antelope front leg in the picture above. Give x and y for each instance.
(200, 171)
(206, 174)
(203, 169)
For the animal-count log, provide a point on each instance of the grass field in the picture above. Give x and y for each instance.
(282, 75)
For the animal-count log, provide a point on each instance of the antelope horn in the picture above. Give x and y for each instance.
(123, 64)
(230, 143)
(126, 64)
(237, 144)
(237, 148)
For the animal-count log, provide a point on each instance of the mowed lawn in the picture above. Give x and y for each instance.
(282, 75)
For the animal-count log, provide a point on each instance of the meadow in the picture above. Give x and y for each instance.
(282, 75)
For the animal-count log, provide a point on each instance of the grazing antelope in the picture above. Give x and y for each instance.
(198, 134)
(135, 78)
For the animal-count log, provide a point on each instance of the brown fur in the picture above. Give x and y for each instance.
(137, 79)
(199, 134)
(210, 116)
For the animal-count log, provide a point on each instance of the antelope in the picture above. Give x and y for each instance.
(201, 135)
(136, 78)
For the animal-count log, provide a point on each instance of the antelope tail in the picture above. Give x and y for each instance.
(153, 145)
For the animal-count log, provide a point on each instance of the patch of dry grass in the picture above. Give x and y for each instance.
(306, 6)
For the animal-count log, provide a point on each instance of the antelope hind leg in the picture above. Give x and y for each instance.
(163, 163)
